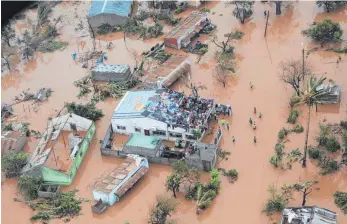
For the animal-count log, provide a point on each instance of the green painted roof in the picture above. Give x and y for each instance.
(144, 141)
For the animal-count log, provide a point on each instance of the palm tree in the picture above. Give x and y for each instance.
(311, 96)
(203, 198)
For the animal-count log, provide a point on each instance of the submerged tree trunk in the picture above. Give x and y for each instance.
(278, 7)
(306, 136)
(304, 197)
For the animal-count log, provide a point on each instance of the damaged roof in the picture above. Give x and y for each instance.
(308, 215)
(124, 176)
(120, 69)
(187, 25)
(170, 70)
(122, 8)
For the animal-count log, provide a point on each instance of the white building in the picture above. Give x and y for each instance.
(163, 113)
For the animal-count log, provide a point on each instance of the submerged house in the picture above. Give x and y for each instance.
(308, 215)
(119, 181)
(111, 73)
(180, 36)
(109, 12)
(333, 96)
(168, 72)
(163, 113)
(61, 149)
(12, 141)
(196, 154)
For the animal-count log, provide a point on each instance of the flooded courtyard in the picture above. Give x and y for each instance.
(257, 61)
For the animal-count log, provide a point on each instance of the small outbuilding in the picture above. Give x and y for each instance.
(119, 181)
(111, 73)
(168, 72)
(183, 33)
(108, 12)
(12, 141)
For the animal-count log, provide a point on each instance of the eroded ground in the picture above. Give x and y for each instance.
(257, 60)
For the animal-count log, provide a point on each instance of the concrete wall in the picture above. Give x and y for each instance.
(146, 123)
(111, 19)
(111, 76)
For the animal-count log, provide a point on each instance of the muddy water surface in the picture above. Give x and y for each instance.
(257, 62)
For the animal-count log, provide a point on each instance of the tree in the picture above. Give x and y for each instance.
(293, 72)
(182, 174)
(173, 183)
(6, 58)
(8, 34)
(203, 199)
(341, 200)
(330, 5)
(326, 31)
(13, 162)
(221, 75)
(278, 201)
(310, 96)
(242, 10)
(224, 45)
(29, 185)
(195, 88)
(88, 110)
(163, 208)
(305, 188)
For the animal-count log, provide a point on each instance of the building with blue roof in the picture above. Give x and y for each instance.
(162, 112)
(108, 12)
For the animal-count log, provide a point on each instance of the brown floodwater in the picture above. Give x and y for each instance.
(257, 62)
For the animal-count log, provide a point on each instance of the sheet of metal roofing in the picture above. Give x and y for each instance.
(121, 8)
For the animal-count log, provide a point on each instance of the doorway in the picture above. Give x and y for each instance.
(146, 132)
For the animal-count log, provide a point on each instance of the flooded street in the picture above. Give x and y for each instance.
(258, 61)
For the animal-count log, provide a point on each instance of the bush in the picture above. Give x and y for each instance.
(178, 11)
(214, 183)
(324, 132)
(13, 162)
(88, 110)
(326, 31)
(203, 50)
(29, 185)
(344, 140)
(298, 129)
(205, 10)
(341, 200)
(275, 161)
(277, 202)
(293, 115)
(282, 133)
(343, 124)
(315, 153)
(294, 100)
(332, 144)
(328, 165)
(231, 174)
(63, 205)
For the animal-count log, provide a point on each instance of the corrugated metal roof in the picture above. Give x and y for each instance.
(187, 24)
(168, 67)
(122, 8)
(111, 68)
